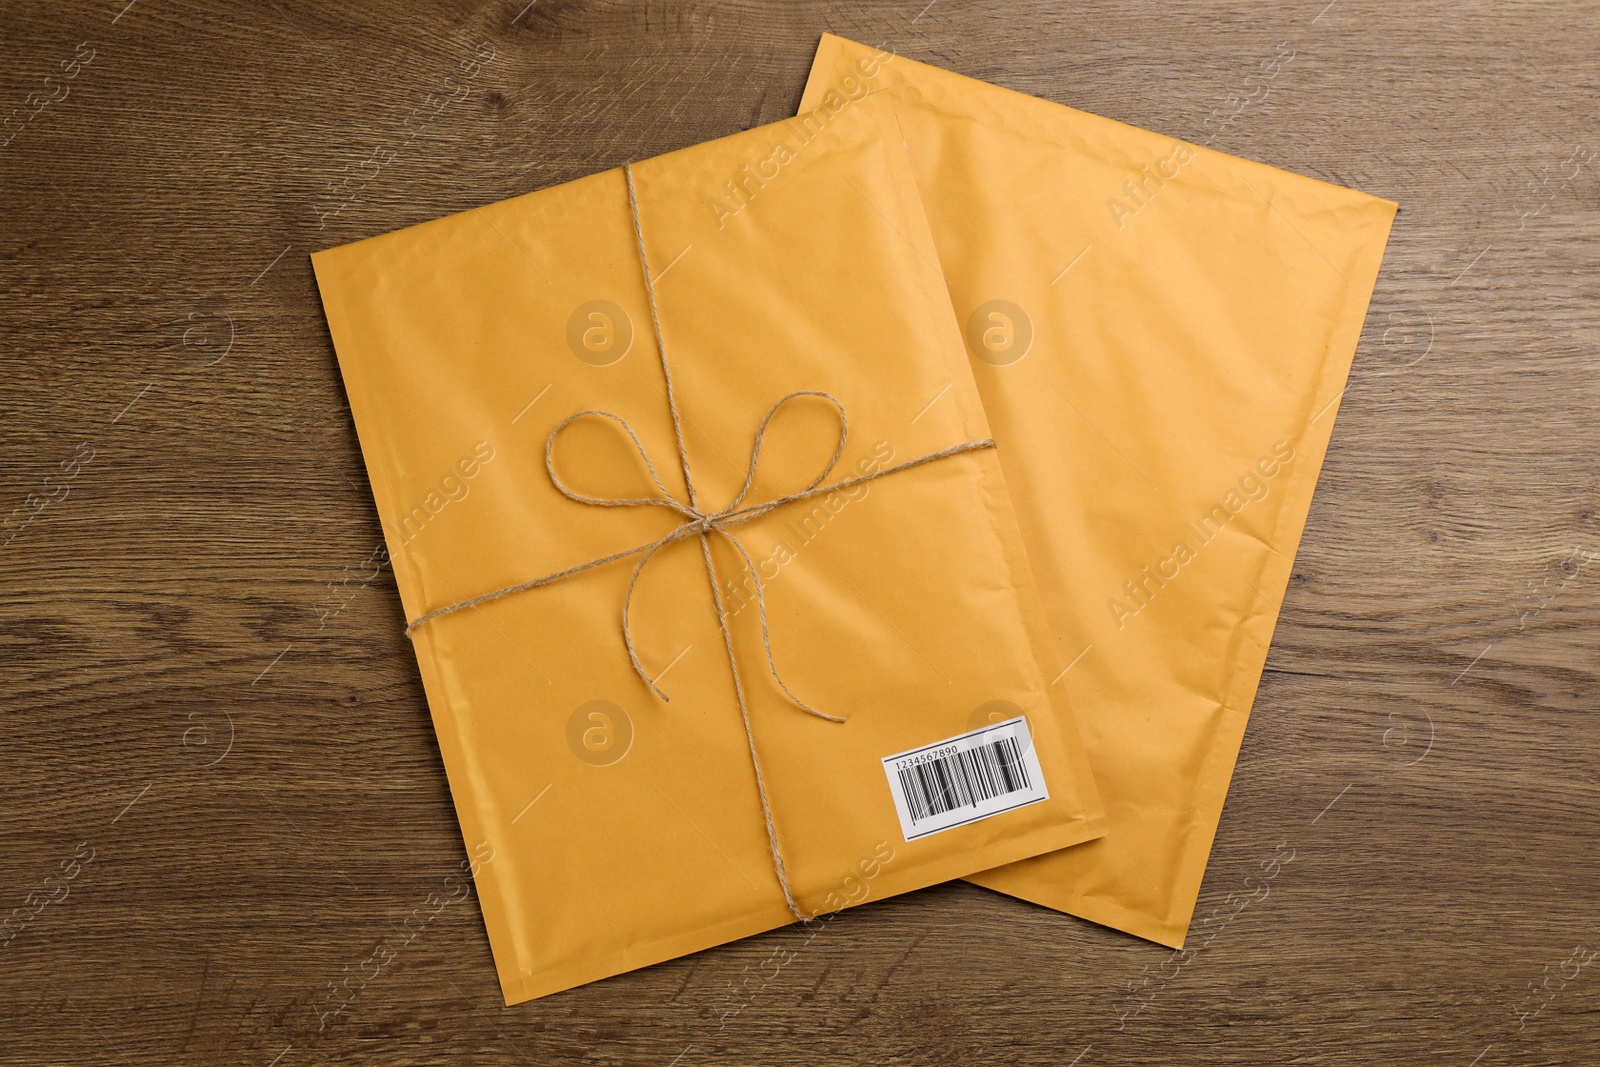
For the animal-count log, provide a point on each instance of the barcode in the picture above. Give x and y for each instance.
(964, 779)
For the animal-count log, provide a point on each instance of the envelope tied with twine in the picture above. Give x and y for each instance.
(894, 604)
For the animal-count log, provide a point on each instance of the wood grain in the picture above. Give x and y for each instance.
(254, 771)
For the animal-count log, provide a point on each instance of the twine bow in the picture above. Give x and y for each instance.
(701, 524)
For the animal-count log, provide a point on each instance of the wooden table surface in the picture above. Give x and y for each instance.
(218, 765)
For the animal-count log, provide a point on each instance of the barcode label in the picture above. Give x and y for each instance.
(965, 778)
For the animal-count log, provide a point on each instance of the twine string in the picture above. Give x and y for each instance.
(700, 524)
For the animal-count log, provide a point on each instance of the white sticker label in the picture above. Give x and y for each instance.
(963, 779)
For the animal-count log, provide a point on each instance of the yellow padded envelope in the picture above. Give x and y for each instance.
(613, 829)
(1161, 334)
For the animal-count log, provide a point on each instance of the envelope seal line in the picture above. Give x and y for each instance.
(701, 524)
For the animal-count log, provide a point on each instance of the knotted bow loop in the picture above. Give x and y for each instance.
(665, 500)
(761, 434)
(700, 524)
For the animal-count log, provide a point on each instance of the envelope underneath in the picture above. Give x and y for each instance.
(1161, 335)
